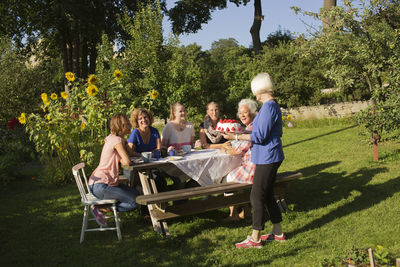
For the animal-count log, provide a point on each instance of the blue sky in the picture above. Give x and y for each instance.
(235, 22)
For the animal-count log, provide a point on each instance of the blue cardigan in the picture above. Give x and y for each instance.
(266, 135)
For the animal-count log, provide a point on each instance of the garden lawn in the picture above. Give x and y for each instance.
(345, 201)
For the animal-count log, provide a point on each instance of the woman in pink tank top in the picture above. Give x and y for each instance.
(103, 182)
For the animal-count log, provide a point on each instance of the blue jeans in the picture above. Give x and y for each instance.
(125, 195)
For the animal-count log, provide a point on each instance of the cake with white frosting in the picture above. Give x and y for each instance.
(229, 126)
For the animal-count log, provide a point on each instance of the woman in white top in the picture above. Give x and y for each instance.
(177, 132)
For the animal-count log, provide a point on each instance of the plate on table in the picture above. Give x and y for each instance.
(174, 157)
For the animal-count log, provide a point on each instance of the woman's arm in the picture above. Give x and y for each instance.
(158, 142)
(203, 139)
(125, 160)
(229, 136)
(130, 148)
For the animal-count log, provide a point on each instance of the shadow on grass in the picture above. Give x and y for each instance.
(318, 136)
(323, 188)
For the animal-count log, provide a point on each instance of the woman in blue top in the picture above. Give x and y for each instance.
(143, 138)
(267, 154)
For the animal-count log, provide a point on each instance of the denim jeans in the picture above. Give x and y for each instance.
(125, 195)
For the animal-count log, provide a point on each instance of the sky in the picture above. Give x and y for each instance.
(235, 22)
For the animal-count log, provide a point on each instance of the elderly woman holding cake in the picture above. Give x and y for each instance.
(209, 137)
(247, 110)
(267, 155)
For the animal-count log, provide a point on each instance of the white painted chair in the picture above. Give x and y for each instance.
(89, 199)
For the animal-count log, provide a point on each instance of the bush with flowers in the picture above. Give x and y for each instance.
(71, 126)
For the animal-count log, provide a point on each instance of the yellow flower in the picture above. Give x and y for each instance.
(47, 117)
(154, 94)
(46, 103)
(92, 90)
(117, 74)
(42, 107)
(53, 96)
(283, 118)
(64, 95)
(44, 97)
(92, 79)
(83, 126)
(47, 128)
(70, 76)
(288, 118)
(22, 118)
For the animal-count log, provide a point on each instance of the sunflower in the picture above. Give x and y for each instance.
(46, 103)
(53, 96)
(22, 118)
(154, 94)
(83, 126)
(117, 74)
(288, 118)
(44, 97)
(70, 76)
(92, 79)
(47, 117)
(64, 95)
(92, 90)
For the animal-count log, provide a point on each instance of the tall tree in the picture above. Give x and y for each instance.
(327, 5)
(73, 26)
(187, 16)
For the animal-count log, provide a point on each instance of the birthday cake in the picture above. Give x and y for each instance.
(229, 126)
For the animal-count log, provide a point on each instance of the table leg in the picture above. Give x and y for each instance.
(164, 226)
(148, 189)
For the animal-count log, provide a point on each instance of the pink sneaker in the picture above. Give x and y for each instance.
(249, 243)
(272, 237)
(99, 216)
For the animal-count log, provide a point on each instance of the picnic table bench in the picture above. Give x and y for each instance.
(198, 201)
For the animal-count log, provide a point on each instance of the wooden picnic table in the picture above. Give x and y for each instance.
(206, 167)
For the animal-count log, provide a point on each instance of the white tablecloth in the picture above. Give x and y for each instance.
(205, 166)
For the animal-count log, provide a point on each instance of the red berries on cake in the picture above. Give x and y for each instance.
(229, 126)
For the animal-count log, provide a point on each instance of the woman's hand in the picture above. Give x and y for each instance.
(228, 136)
(170, 148)
(197, 144)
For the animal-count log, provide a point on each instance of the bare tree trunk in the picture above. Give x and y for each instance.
(75, 55)
(64, 59)
(255, 28)
(328, 4)
(84, 61)
(93, 58)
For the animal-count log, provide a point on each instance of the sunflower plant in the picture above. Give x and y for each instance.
(72, 125)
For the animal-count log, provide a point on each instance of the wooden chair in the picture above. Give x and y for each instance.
(89, 199)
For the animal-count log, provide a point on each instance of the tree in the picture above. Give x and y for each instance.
(328, 4)
(187, 16)
(74, 27)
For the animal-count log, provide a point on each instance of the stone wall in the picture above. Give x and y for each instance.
(337, 110)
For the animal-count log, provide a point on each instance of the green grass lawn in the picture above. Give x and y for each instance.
(344, 202)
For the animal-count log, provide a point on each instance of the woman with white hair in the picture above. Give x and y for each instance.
(247, 110)
(267, 155)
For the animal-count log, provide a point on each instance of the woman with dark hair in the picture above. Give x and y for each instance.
(208, 137)
(103, 182)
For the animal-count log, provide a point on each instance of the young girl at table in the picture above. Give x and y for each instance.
(103, 182)
(177, 133)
